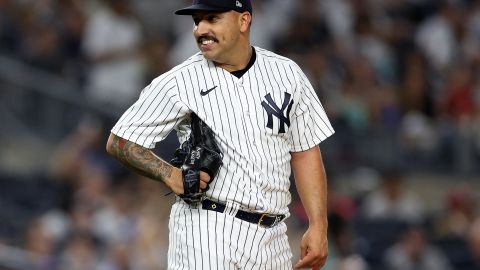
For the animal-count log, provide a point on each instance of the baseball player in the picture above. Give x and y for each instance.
(245, 117)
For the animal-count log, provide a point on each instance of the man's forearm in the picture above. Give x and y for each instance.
(311, 184)
(139, 159)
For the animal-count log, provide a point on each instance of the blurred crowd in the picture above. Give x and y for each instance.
(401, 72)
(403, 68)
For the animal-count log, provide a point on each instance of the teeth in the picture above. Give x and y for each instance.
(205, 42)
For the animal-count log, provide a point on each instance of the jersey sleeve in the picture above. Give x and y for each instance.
(310, 124)
(154, 115)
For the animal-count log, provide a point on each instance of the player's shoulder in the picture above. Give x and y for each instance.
(287, 63)
(271, 56)
(274, 57)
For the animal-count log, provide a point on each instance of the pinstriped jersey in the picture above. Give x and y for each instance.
(257, 119)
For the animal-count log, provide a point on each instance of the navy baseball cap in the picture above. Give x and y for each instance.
(216, 6)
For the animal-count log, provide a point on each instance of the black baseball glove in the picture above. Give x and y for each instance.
(199, 153)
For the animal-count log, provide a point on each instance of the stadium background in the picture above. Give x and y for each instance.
(399, 79)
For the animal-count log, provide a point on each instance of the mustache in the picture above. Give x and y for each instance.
(206, 37)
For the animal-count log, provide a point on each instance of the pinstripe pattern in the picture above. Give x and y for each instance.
(256, 170)
(244, 246)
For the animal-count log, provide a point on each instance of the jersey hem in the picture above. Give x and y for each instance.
(314, 143)
(115, 132)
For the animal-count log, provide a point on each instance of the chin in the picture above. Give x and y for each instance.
(208, 55)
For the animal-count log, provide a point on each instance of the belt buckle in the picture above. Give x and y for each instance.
(275, 222)
(259, 223)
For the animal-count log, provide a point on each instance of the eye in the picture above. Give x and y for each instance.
(212, 18)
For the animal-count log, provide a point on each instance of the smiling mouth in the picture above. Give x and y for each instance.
(206, 40)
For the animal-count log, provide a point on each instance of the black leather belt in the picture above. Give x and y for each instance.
(265, 220)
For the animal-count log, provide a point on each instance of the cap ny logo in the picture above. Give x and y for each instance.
(238, 4)
(272, 109)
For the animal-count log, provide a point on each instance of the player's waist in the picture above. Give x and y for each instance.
(261, 219)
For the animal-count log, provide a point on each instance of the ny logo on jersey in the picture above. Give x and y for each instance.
(273, 110)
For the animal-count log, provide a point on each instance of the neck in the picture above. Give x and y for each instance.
(239, 60)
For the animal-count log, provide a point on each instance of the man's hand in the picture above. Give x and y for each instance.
(175, 183)
(313, 248)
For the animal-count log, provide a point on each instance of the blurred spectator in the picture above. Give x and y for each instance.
(150, 245)
(438, 35)
(393, 200)
(366, 102)
(156, 57)
(385, 108)
(118, 257)
(92, 186)
(418, 136)
(306, 29)
(415, 90)
(373, 48)
(113, 44)
(44, 34)
(473, 240)
(472, 39)
(116, 221)
(364, 181)
(72, 26)
(57, 224)
(457, 104)
(157, 15)
(452, 228)
(352, 105)
(476, 120)
(325, 82)
(339, 18)
(341, 206)
(342, 255)
(267, 25)
(81, 252)
(40, 243)
(457, 100)
(182, 43)
(9, 36)
(79, 219)
(41, 43)
(413, 252)
(81, 148)
(84, 195)
(459, 213)
(37, 239)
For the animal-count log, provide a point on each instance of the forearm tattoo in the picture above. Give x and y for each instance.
(140, 159)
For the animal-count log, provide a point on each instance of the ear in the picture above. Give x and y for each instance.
(245, 21)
